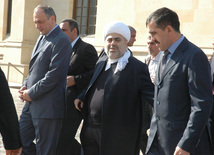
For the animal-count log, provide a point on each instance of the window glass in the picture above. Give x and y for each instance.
(85, 14)
(79, 3)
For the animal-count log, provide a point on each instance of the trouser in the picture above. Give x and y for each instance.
(91, 139)
(44, 131)
(155, 148)
(67, 144)
(212, 123)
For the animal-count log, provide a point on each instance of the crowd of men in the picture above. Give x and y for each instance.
(161, 107)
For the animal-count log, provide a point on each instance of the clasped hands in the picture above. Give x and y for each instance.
(23, 94)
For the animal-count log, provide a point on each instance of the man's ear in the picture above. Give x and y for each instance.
(52, 18)
(75, 30)
(169, 28)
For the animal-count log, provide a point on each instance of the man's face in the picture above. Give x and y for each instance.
(162, 36)
(42, 23)
(132, 39)
(66, 28)
(153, 47)
(115, 45)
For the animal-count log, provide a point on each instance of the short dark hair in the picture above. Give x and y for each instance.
(163, 17)
(132, 29)
(72, 24)
(47, 10)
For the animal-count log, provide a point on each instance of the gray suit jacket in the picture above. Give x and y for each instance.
(47, 76)
(183, 102)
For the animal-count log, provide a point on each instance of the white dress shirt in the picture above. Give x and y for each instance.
(153, 65)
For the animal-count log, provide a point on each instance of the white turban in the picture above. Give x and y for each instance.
(117, 27)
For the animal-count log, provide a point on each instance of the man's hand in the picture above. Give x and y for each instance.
(179, 151)
(21, 90)
(70, 81)
(78, 104)
(14, 152)
(26, 97)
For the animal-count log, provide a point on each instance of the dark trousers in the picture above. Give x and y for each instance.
(147, 115)
(212, 124)
(91, 139)
(155, 148)
(44, 131)
(68, 145)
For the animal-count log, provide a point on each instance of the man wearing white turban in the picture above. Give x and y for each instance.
(112, 104)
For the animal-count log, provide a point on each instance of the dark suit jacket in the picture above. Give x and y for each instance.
(183, 102)
(47, 76)
(82, 63)
(9, 126)
(122, 107)
(147, 115)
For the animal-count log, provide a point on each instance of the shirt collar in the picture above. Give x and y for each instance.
(157, 57)
(52, 30)
(174, 46)
(74, 42)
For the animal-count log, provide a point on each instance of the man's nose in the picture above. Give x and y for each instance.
(37, 26)
(113, 42)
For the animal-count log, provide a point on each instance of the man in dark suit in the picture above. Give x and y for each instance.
(113, 100)
(81, 69)
(211, 61)
(152, 61)
(9, 125)
(44, 90)
(183, 92)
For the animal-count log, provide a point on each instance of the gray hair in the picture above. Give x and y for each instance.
(47, 10)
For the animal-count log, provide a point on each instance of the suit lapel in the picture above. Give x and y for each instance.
(158, 69)
(75, 48)
(41, 45)
(174, 58)
(37, 49)
(148, 60)
(36, 46)
(97, 72)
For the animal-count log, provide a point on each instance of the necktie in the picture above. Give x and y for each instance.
(38, 45)
(40, 42)
(163, 62)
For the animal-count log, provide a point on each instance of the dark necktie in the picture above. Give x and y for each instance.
(163, 62)
(40, 42)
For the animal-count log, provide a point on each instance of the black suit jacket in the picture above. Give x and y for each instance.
(183, 102)
(9, 126)
(82, 63)
(122, 106)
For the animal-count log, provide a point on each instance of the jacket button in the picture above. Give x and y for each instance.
(158, 102)
(158, 118)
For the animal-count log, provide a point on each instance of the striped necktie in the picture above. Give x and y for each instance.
(163, 62)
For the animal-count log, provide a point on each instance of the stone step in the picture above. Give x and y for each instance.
(14, 85)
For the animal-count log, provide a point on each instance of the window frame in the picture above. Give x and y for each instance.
(81, 16)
